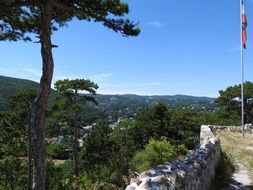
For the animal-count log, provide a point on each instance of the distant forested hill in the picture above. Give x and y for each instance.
(173, 102)
(112, 104)
(128, 105)
(10, 86)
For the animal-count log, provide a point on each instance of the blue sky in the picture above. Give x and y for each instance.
(185, 47)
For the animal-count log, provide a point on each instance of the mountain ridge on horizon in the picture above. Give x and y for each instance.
(33, 84)
(10, 86)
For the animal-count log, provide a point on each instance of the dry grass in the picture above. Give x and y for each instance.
(59, 162)
(238, 148)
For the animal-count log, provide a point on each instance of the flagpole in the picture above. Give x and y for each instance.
(242, 72)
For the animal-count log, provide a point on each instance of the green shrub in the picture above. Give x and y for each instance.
(103, 186)
(181, 149)
(155, 152)
(61, 177)
(58, 151)
(13, 173)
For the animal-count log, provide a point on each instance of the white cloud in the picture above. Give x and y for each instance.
(33, 71)
(234, 49)
(156, 24)
(62, 77)
(96, 78)
(20, 72)
(12, 72)
(133, 85)
(5, 70)
(101, 77)
(105, 87)
(134, 88)
(148, 84)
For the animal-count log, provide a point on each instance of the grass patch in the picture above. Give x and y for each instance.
(238, 148)
(58, 162)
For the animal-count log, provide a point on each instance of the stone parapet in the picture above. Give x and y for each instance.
(195, 172)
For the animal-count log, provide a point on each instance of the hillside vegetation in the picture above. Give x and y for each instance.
(10, 86)
(98, 145)
(126, 104)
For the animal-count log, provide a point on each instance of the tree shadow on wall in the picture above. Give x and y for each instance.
(235, 185)
(224, 172)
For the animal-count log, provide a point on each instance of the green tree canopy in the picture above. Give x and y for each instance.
(19, 18)
(230, 101)
(16, 123)
(70, 90)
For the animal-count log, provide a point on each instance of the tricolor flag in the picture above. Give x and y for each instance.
(244, 25)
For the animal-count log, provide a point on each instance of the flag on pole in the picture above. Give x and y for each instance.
(244, 25)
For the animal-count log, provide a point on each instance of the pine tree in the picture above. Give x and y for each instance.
(70, 89)
(19, 18)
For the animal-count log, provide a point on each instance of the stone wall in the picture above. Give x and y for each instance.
(195, 172)
(247, 128)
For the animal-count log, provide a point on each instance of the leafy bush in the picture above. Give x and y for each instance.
(58, 151)
(103, 186)
(13, 173)
(61, 177)
(181, 149)
(155, 152)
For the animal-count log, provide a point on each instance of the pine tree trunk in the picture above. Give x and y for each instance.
(30, 154)
(75, 151)
(75, 143)
(42, 98)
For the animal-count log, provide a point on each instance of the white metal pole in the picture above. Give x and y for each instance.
(242, 72)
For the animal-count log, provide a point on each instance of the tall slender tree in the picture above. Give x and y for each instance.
(20, 107)
(43, 17)
(23, 102)
(70, 90)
